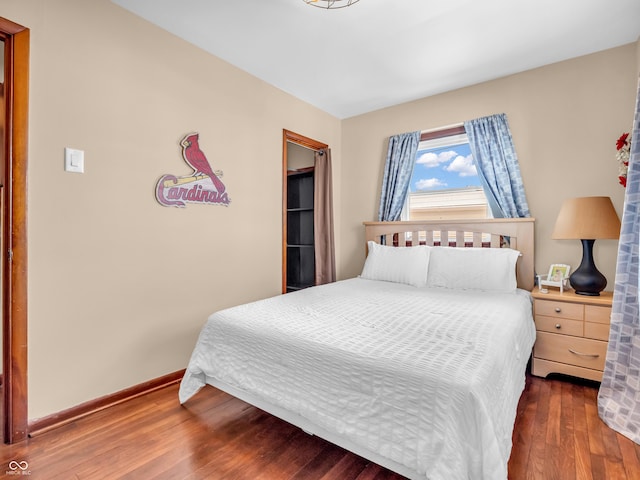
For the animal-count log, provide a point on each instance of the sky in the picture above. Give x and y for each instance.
(443, 168)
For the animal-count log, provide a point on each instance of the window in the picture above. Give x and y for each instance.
(445, 183)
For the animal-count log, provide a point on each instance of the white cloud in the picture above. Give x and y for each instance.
(431, 160)
(429, 183)
(463, 166)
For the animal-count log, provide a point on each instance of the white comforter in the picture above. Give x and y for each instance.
(429, 378)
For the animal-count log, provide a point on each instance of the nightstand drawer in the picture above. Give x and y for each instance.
(550, 308)
(595, 313)
(599, 331)
(582, 352)
(564, 326)
(579, 346)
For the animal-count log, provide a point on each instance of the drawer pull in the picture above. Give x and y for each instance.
(558, 309)
(590, 355)
(558, 326)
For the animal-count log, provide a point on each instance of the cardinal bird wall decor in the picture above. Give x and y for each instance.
(195, 158)
(172, 191)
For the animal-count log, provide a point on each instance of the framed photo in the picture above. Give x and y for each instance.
(557, 277)
(558, 272)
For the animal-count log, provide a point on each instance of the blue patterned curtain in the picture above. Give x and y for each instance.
(497, 164)
(618, 404)
(401, 157)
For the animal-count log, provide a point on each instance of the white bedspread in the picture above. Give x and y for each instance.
(429, 378)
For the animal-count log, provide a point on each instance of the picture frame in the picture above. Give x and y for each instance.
(558, 277)
(558, 271)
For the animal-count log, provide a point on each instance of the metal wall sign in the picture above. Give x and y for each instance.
(203, 185)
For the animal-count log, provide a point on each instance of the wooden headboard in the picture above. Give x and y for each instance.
(516, 233)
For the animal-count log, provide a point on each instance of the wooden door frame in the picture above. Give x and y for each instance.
(13, 178)
(291, 137)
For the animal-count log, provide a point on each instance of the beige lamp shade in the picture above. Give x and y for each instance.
(587, 218)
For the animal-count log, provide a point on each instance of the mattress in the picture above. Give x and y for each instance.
(426, 378)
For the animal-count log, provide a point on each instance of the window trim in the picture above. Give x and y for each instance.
(442, 132)
(436, 134)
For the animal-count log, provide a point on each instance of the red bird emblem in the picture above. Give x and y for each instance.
(196, 159)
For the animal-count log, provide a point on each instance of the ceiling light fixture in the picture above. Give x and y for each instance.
(330, 4)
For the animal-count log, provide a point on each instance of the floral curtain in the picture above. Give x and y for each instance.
(619, 394)
(497, 164)
(401, 157)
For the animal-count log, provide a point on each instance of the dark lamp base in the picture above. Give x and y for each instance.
(589, 294)
(587, 280)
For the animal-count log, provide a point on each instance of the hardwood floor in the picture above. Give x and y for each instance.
(558, 435)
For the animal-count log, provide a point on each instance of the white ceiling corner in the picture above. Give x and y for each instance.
(378, 53)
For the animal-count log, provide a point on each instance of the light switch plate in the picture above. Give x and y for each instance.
(73, 160)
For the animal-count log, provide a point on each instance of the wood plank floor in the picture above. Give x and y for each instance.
(558, 435)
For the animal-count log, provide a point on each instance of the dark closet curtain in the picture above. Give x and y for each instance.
(323, 219)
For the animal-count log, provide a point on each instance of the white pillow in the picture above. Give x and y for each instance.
(488, 269)
(397, 264)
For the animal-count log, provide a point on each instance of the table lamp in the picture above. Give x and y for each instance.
(587, 219)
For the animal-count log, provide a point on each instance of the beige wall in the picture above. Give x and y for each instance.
(120, 286)
(564, 118)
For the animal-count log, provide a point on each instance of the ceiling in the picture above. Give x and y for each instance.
(378, 53)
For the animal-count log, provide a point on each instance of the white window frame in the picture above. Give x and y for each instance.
(441, 137)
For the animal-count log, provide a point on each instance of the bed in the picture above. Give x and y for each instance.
(419, 371)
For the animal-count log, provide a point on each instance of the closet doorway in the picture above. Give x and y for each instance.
(13, 238)
(298, 251)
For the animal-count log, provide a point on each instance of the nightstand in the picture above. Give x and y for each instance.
(572, 333)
